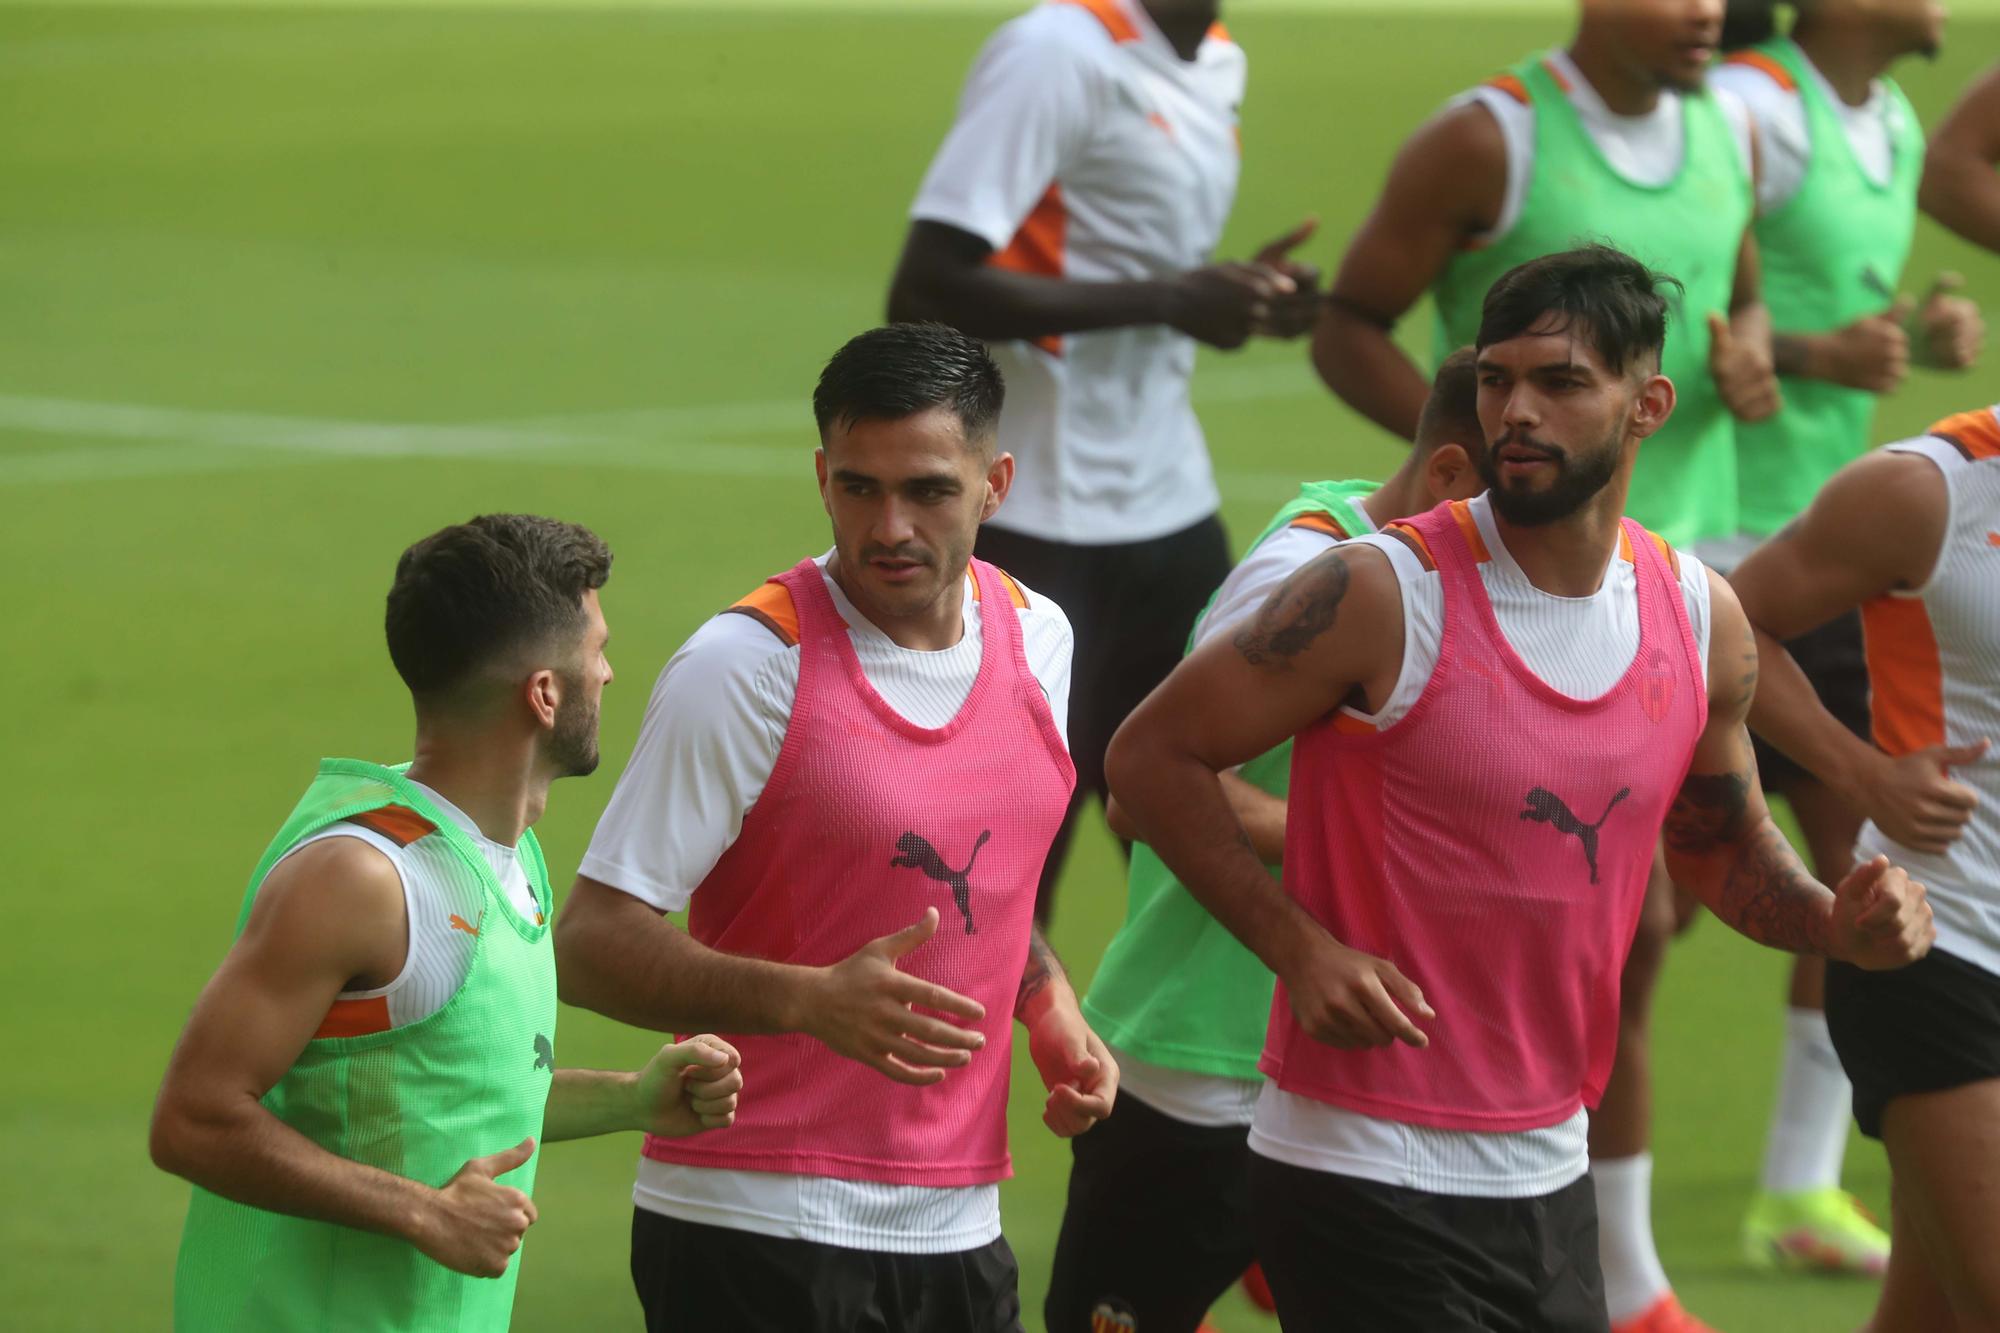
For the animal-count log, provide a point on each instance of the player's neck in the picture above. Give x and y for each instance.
(1402, 495)
(937, 627)
(1182, 22)
(1847, 59)
(1566, 558)
(1624, 90)
(500, 786)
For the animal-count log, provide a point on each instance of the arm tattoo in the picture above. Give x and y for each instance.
(1768, 896)
(1707, 812)
(1042, 968)
(1296, 614)
(1746, 684)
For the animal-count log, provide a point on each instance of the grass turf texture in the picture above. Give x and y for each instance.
(641, 232)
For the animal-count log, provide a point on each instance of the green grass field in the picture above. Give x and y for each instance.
(285, 289)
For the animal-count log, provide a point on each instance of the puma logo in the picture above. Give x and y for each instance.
(916, 853)
(545, 1053)
(1545, 807)
(459, 923)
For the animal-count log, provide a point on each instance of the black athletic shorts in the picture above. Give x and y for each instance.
(1834, 661)
(1131, 606)
(1157, 1225)
(1342, 1253)
(694, 1278)
(1928, 1027)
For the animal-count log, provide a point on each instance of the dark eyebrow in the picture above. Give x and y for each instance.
(942, 480)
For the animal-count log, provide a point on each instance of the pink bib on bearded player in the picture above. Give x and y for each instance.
(1494, 844)
(867, 820)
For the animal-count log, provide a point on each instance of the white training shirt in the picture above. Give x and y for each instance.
(1645, 150)
(1580, 646)
(1086, 148)
(443, 906)
(1783, 141)
(710, 738)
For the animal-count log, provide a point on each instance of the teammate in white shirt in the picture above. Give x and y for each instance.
(1961, 188)
(1070, 219)
(1841, 157)
(907, 470)
(1910, 536)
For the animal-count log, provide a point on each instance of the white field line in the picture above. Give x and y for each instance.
(125, 440)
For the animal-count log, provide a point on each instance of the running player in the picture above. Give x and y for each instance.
(1517, 689)
(360, 1091)
(1960, 187)
(1070, 218)
(1910, 535)
(851, 781)
(1614, 138)
(1842, 153)
(1158, 1220)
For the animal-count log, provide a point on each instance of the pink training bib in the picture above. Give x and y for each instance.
(1494, 844)
(867, 820)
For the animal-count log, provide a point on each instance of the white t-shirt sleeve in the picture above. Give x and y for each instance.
(1026, 110)
(1261, 573)
(710, 738)
(1779, 115)
(1049, 644)
(1694, 591)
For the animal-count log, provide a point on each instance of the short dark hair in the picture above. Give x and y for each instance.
(899, 370)
(1598, 290)
(1451, 412)
(468, 595)
(1748, 23)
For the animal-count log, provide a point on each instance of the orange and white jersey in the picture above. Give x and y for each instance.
(445, 906)
(1086, 148)
(1934, 667)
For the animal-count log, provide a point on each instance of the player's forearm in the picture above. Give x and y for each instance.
(1788, 714)
(242, 1152)
(584, 1103)
(1362, 364)
(999, 304)
(1722, 846)
(1043, 980)
(617, 956)
(1802, 355)
(1963, 192)
(1262, 816)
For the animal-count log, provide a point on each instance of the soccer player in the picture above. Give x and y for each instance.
(851, 780)
(1841, 154)
(1908, 535)
(1613, 138)
(1158, 1220)
(1070, 219)
(1960, 187)
(1498, 707)
(360, 1092)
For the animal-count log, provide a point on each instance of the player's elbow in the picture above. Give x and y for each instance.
(1126, 764)
(174, 1138)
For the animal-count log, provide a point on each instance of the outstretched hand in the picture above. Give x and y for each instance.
(1292, 313)
(1914, 800)
(1350, 999)
(861, 1007)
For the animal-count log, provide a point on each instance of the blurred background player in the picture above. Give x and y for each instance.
(1457, 891)
(1613, 138)
(1840, 157)
(1960, 188)
(851, 781)
(1069, 219)
(360, 1091)
(1158, 1218)
(1908, 536)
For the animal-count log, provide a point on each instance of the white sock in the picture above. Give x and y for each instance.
(1809, 1124)
(1633, 1278)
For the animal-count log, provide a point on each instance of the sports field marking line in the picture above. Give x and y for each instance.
(133, 439)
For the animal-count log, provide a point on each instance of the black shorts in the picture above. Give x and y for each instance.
(1928, 1027)
(695, 1278)
(1131, 607)
(1157, 1225)
(1836, 663)
(1342, 1253)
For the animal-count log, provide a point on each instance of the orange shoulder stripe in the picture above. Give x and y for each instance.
(770, 604)
(1037, 247)
(355, 1018)
(1905, 672)
(1667, 552)
(1320, 522)
(398, 823)
(1764, 65)
(1217, 32)
(1511, 85)
(1121, 28)
(1976, 434)
(1470, 527)
(1413, 539)
(1014, 593)
(1561, 79)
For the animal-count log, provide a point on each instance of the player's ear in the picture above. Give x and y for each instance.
(544, 694)
(999, 480)
(1449, 474)
(819, 469)
(1652, 406)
